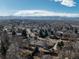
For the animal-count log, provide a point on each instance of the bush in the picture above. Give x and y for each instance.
(43, 33)
(60, 44)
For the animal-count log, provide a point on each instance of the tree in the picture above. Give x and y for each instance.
(4, 45)
(76, 30)
(13, 33)
(24, 34)
(36, 51)
(60, 44)
(43, 33)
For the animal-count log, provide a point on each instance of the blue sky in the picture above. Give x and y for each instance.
(60, 6)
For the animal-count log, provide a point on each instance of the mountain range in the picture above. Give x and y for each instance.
(38, 18)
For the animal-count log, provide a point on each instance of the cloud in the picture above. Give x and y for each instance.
(6, 12)
(43, 13)
(33, 13)
(68, 3)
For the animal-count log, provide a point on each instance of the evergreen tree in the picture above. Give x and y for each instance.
(60, 44)
(76, 30)
(13, 33)
(43, 33)
(4, 44)
(24, 34)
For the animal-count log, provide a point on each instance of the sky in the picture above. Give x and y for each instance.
(39, 8)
